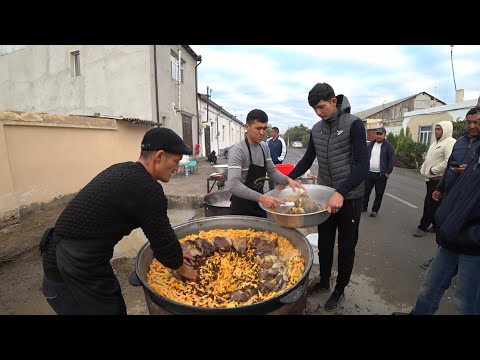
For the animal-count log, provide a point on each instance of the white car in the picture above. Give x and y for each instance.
(297, 144)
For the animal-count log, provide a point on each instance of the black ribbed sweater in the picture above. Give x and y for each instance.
(118, 200)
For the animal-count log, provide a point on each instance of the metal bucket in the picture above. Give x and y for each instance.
(217, 203)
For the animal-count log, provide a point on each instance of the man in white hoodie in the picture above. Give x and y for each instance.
(433, 168)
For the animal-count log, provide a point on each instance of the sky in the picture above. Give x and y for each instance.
(277, 78)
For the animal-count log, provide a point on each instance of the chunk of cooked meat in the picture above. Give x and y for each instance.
(222, 244)
(244, 295)
(205, 246)
(263, 246)
(240, 245)
(192, 248)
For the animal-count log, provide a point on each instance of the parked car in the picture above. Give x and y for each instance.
(297, 144)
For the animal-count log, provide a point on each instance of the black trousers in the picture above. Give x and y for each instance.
(346, 221)
(380, 182)
(271, 183)
(429, 206)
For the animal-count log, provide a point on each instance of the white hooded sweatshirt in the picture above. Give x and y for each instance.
(437, 156)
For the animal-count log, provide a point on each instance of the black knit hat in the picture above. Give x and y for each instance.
(160, 138)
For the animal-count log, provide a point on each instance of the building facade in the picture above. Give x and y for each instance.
(151, 82)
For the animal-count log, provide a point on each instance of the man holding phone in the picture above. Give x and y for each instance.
(462, 153)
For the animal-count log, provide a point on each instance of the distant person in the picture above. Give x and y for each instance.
(78, 276)
(458, 238)
(382, 158)
(278, 151)
(248, 162)
(433, 168)
(212, 158)
(462, 153)
(338, 142)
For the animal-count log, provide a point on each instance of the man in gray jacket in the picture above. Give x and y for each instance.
(338, 141)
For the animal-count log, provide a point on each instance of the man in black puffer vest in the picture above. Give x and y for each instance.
(338, 141)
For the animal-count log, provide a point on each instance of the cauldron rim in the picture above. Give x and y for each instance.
(160, 300)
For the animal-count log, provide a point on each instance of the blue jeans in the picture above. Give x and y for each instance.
(438, 277)
(60, 298)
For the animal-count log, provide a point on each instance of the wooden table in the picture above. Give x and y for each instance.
(215, 178)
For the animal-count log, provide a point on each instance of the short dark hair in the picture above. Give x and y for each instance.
(276, 129)
(321, 91)
(472, 111)
(257, 115)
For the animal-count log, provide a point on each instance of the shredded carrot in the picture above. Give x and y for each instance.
(224, 273)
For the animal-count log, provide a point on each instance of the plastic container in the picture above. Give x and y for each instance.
(285, 168)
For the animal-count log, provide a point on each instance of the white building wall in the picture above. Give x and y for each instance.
(229, 129)
(456, 111)
(38, 78)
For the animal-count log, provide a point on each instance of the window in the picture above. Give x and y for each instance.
(75, 62)
(174, 66)
(425, 134)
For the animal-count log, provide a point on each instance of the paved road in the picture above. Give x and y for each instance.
(386, 251)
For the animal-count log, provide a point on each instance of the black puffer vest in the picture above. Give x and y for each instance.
(334, 152)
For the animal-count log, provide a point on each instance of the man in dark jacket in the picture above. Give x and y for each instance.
(338, 143)
(462, 153)
(78, 277)
(382, 157)
(278, 150)
(458, 239)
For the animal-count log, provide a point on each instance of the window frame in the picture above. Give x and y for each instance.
(75, 63)
(174, 67)
(425, 131)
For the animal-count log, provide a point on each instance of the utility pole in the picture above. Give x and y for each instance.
(453, 73)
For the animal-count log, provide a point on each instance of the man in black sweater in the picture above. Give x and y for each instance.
(78, 276)
(338, 141)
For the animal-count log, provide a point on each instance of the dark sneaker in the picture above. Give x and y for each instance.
(426, 264)
(317, 288)
(334, 301)
(373, 214)
(419, 233)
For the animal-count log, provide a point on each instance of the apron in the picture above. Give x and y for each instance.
(255, 181)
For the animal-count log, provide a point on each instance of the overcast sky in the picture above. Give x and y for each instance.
(277, 78)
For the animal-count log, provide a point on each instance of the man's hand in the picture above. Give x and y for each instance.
(460, 169)
(269, 202)
(436, 195)
(295, 184)
(187, 271)
(335, 203)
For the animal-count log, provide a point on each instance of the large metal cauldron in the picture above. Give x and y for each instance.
(217, 203)
(292, 301)
(319, 193)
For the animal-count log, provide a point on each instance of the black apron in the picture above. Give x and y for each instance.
(255, 181)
